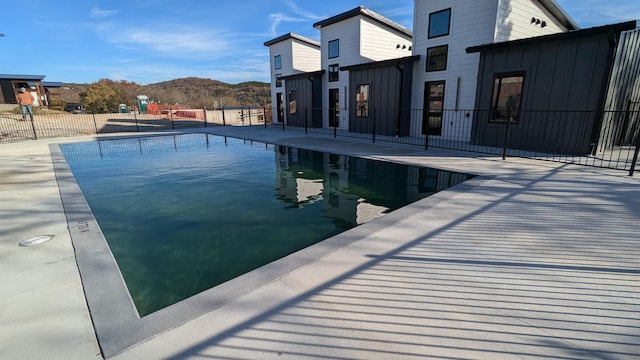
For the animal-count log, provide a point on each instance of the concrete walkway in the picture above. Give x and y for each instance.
(531, 260)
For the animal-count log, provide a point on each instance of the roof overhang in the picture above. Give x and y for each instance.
(382, 63)
(615, 28)
(560, 15)
(363, 11)
(301, 75)
(292, 36)
(22, 77)
(52, 84)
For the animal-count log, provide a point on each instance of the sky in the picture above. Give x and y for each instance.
(149, 41)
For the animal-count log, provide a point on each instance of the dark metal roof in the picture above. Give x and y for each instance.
(629, 25)
(292, 36)
(361, 10)
(21, 77)
(381, 63)
(300, 75)
(560, 15)
(52, 83)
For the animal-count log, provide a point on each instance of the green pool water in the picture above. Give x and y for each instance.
(184, 213)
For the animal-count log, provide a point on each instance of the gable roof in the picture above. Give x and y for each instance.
(560, 15)
(363, 11)
(292, 36)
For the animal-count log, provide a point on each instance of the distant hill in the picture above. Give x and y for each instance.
(189, 92)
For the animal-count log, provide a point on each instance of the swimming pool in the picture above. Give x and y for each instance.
(185, 213)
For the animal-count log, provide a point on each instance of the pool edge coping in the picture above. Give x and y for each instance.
(114, 316)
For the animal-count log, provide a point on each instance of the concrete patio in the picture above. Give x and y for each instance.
(530, 260)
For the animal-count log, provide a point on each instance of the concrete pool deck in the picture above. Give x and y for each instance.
(533, 259)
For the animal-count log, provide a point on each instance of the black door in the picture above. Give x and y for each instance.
(280, 108)
(334, 107)
(433, 108)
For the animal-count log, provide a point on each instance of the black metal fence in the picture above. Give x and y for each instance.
(50, 124)
(607, 139)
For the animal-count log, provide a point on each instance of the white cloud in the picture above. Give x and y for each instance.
(96, 12)
(300, 15)
(278, 18)
(305, 14)
(178, 42)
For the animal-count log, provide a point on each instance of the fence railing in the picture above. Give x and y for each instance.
(48, 124)
(607, 139)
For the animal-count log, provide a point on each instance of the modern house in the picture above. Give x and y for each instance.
(463, 71)
(292, 56)
(323, 95)
(562, 93)
(45, 93)
(445, 76)
(10, 85)
(358, 37)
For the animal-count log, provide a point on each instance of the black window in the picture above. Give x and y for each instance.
(278, 80)
(439, 23)
(334, 48)
(334, 72)
(506, 97)
(437, 58)
(362, 101)
(277, 61)
(293, 105)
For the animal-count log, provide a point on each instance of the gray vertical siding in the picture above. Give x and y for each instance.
(620, 127)
(303, 88)
(561, 98)
(389, 99)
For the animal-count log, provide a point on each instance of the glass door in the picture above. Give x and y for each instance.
(433, 108)
(334, 107)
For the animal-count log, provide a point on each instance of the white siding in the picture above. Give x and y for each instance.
(306, 58)
(380, 43)
(514, 20)
(362, 40)
(472, 23)
(348, 32)
(295, 57)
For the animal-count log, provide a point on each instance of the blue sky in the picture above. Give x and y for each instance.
(149, 41)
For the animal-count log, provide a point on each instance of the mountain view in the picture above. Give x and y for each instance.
(191, 92)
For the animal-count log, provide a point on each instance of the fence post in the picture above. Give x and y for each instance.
(506, 138)
(306, 128)
(171, 117)
(264, 116)
(335, 124)
(224, 123)
(374, 123)
(95, 124)
(135, 118)
(204, 111)
(635, 154)
(33, 127)
(426, 130)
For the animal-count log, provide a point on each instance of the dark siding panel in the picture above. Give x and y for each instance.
(384, 101)
(304, 101)
(565, 77)
(620, 128)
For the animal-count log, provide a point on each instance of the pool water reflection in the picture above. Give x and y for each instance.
(184, 213)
